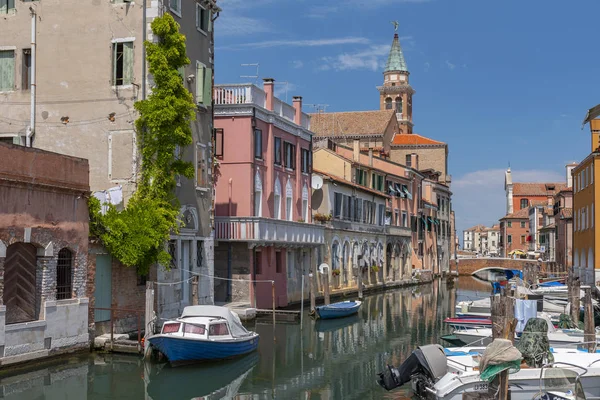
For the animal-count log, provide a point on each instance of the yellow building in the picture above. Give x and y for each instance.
(585, 193)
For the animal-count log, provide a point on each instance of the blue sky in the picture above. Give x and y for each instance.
(500, 81)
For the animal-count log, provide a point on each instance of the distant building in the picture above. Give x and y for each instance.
(482, 240)
(521, 195)
(563, 219)
(514, 229)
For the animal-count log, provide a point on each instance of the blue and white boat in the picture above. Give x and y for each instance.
(338, 310)
(204, 333)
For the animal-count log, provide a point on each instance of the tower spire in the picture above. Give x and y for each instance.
(395, 61)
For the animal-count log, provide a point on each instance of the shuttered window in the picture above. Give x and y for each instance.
(122, 63)
(7, 6)
(7, 69)
(203, 84)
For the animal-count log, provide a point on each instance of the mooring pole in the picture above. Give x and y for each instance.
(302, 303)
(574, 297)
(590, 330)
(503, 325)
(326, 286)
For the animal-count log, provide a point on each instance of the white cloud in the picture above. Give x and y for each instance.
(479, 196)
(427, 66)
(299, 43)
(450, 65)
(297, 64)
(236, 25)
(372, 58)
(321, 11)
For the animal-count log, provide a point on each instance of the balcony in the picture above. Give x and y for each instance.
(245, 93)
(260, 230)
(398, 231)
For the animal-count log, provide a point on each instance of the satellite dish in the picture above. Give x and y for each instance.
(317, 182)
(323, 267)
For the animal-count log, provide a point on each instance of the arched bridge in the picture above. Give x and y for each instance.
(467, 266)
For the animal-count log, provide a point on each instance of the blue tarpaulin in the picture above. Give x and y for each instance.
(547, 284)
(510, 273)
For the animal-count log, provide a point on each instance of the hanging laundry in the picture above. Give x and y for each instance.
(102, 198)
(524, 310)
(115, 195)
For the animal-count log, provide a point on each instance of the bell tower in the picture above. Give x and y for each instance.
(396, 92)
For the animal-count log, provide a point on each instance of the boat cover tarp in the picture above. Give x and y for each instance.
(235, 325)
(552, 283)
(534, 345)
(499, 356)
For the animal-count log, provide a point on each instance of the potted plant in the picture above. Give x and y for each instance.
(322, 218)
(300, 220)
(374, 268)
(335, 272)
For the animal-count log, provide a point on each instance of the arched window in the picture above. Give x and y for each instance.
(19, 295)
(388, 103)
(257, 195)
(64, 269)
(288, 201)
(524, 203)
(335, 255)
(398, 104)
(277, 200)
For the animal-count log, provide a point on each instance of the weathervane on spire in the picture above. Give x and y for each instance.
(395, 23)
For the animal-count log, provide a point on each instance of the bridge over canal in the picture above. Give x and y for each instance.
(466, 266)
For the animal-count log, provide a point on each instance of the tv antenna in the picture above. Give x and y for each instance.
(319, 108)
(255, 77)
(286, 88)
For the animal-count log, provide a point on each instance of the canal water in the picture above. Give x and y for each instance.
(336, 359)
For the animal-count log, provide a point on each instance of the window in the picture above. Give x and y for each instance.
(288, 207)
(142, 279)
(381, 214)
(398, 104)
(542, 239)
(195, 329)
(408, 160)
(202, 18)
(173, 253)
(290, 155)
(277, 200)
(258, 144)
(509, 239)
(305, 210)
(257, 262)
(219, 144)
(388, 103)
(64, 274)
(26, 70)
(171, 328)
(592, 173)
(523, 239)
(493, 243)
(337, 205)
(523, 223)
(278, 261)
(277, 149)
(219, 329)
(7, 6)
(7, 67)
(305, 161)
(175, 6)
(361, 177)
(203, 84)
(257, 195)
(509, 224)
(380, 183)
(122, 63)
(524, 203)
(201, 166)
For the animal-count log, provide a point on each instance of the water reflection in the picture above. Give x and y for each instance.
(336, 359)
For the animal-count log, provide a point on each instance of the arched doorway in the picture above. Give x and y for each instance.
(391, 271)
(345, 260)
(20, 294)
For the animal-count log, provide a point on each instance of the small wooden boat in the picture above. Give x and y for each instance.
(338, 310)
(204, 333)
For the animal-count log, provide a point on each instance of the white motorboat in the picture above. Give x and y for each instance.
(445, 374)
(483, 307)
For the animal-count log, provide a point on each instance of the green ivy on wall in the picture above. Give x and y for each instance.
(137, 235)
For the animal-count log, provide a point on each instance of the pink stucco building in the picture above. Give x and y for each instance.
(263, 228)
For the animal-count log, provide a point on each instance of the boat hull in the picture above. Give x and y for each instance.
(180, 350)
(338, 310)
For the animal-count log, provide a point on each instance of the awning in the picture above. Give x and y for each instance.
(406, 192)
(399, 190)
(424, 220)
(436, 221)
(392, 191)
(430, 219)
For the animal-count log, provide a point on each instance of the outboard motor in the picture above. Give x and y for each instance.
(424, 367)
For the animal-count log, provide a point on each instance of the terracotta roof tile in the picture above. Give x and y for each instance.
(351, 123)
(412, 139)
(537, 189)
(566, 213)
(521, 214)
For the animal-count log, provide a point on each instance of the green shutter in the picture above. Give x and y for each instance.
(209, 24)
(208, 86)
(199, 83)
(7, 70)
(127, 63)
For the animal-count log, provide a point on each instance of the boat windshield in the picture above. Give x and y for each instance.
(218, 329)
(196, 329)
(171, 328)
(561, 383)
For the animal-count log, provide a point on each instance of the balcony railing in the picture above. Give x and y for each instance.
(246, 93)
(267, 230)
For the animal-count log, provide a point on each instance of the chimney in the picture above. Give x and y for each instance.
(356, 150)
(298, 108)
(414, 161)
(268, 88)
(370, 157)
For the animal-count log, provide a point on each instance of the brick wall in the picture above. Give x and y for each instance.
(466, 266)
(428, 158)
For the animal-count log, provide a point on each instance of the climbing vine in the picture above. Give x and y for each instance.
(136, 236)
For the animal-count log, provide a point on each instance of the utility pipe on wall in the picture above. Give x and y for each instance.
(31, 129)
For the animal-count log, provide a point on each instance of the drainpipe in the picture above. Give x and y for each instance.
(144, 33)
(31, 129)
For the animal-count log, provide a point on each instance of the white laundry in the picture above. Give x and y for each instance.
(524, 310)
(102, 198)
(115, 195)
